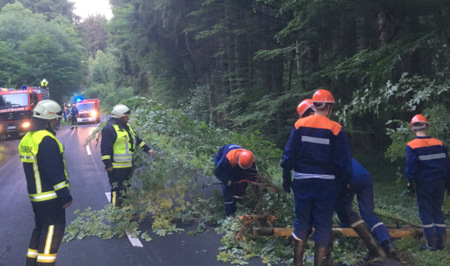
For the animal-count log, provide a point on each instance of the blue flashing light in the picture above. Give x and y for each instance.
(24, 88)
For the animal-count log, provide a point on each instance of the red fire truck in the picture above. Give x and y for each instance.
(88, 111)
(16, 107)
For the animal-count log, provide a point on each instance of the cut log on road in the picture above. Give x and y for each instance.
(348, 232)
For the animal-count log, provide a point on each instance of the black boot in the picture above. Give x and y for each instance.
(441, 241)
(321, 256)
(299, 249)
(389, 248)
(363, 230)
(330, 249)
(429, 244)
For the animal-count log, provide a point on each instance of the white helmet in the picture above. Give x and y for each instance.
(120, 110)
(47, 109)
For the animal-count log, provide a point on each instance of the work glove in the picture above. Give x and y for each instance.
(231, 183)
(287, 181)
(411, 187)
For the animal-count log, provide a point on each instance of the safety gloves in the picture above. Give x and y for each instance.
(287, 181)
(411, 187)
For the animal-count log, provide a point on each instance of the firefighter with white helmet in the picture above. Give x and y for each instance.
(428, 171)
(45, 170)
(119, 142)
(319, 153)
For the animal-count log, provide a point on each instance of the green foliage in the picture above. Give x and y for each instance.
(169, 188)
(41, 48)
(411, 254)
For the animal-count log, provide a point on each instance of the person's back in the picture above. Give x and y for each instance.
(428, 167)
(319, 154)
(316, 145)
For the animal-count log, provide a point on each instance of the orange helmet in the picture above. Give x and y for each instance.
(419, 122)
(246, 159)
(304, 106)
(323, 96)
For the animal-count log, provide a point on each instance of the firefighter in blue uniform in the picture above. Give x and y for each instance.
(319, 153)
(234, 164)
(73, 116)
(361, 185)
(119, 142)
(45, 170)
(428, 170)
(370, 224)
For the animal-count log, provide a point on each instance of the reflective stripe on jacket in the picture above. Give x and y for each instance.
(28, 151)
(426, 159)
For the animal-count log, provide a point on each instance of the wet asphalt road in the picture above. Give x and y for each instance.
(89, 183)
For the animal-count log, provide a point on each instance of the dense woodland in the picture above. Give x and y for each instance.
(243, 66)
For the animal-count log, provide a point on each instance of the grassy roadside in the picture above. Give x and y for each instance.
(395, 206)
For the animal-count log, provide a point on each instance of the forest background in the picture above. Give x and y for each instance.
(238, 68)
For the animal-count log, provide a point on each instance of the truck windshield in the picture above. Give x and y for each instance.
(85, 106)
(13, 100)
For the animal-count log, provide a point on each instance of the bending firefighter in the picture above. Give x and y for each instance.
(235, 166)
(370, 225)
(45, 169)
(428, 167)
(119, 142)
(319, 154)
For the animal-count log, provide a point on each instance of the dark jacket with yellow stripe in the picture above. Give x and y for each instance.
(109, 137)
(427, 160)
(45, 167)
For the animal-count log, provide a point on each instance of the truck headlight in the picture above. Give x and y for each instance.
(26, 124)
(93, 113)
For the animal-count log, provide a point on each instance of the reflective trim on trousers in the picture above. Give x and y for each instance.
(355, 224)
(428, 225)
(49, 240)
(375, 226)
(32, 253)
(46, 258)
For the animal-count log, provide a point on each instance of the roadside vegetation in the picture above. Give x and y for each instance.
(204, 73)
(171, 188)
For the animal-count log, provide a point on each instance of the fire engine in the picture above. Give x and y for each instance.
(16, 107)
(88, 111)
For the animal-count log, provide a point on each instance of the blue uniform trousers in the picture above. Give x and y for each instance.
(430, 197)
(231, 195)
(314, 206)
(362, 186)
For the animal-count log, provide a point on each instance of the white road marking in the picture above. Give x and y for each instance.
(135, 242)
(88, 150)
